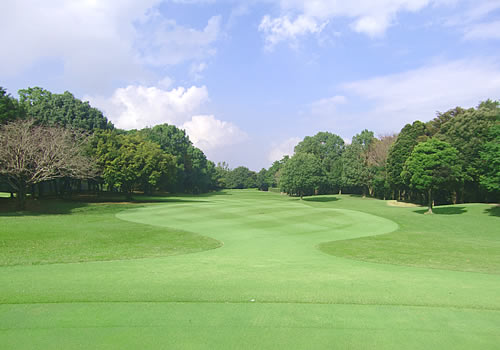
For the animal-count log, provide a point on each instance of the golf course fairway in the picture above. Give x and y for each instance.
(285, 273)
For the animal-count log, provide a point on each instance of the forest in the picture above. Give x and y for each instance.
(56, 144)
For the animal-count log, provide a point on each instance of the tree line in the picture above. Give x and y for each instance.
(453, 158)
(56, 143)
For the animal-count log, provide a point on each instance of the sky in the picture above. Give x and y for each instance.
(248, 80)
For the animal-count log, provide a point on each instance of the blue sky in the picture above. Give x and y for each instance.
(248, 79)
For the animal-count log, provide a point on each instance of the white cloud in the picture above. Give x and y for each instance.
(489, 30)
(370, 17)
(164, 42)
(136, 107)
(327, 106)
(282, 28)
(278, 151)
(208, 133)
(419, 93)
(197, 69)
(98, 43)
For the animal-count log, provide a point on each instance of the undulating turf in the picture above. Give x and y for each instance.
(64, 232)
(271, 284)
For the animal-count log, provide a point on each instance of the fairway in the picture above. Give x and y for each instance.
(260, 271)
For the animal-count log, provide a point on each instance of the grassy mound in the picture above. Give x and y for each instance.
(463, 237)
(65, 232)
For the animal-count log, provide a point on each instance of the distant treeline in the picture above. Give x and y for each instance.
(453, 158)
(56, 144)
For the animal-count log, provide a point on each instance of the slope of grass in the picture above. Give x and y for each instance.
(463, 237)
(268, 286)
(57, 231)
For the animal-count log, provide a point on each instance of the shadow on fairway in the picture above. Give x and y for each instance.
(445, 211)
(55, 206)
(321, 199)
(493, 211)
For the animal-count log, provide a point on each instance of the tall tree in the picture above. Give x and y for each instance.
(192, 172)
(468, 132)
(302, 175)
(241, 177)
(61, 109)
(490, 157)
(30, 154)
(328, 148)
(355, 171)
(408, 138)
(9, 107)
(432, 165)
(129, 162)
(376, 157)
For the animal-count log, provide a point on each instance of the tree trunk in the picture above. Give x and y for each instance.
(429, 201)
(21, 198)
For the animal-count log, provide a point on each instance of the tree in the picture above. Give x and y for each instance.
(9, 107)
(376, 157)
(490, 157)
(192, 172)
(241, 177)
(355, 171)
(433, 164)
(328, 148)
(302, 175)
(408, 138)
(61, 109)
(30, 154)
(263, 180)
(468, 132)
(129, 161)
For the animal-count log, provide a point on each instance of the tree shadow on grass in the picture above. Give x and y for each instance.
(321, 199)
(445, 210)
(493, 211)
(108, 203)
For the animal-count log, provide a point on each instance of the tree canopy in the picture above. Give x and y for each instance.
(302, 175)
(433, 164)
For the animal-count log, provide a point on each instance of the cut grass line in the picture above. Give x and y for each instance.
(274, 302)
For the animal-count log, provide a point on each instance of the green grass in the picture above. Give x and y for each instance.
(271, 284)
(463, 237)
(66, 232)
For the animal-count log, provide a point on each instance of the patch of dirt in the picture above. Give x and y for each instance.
(394, 203)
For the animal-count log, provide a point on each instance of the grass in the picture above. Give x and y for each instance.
(459, 237)
(270, 284)
(65, 232)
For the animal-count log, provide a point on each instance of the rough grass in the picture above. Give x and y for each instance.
(268, 286)
(463, 237)
(58, 231)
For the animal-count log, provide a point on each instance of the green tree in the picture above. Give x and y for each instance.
(302, 175)
(355, 171)
(61, 109)
(490, 157)
(432, 165)
(468, 132)
(10, 109)
(328, 148)
(408, 138)
(192, 172)
(129, 162)
(241, 177)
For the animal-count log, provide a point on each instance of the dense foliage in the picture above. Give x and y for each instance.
(454, 157)
(161, 158)
(459, 148)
